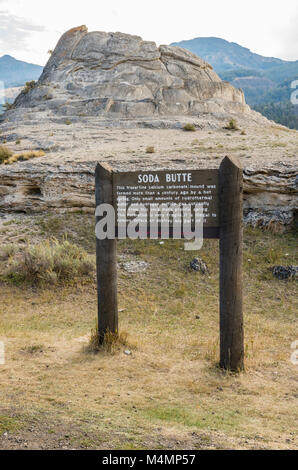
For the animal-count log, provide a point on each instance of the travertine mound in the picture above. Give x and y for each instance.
(122, 76)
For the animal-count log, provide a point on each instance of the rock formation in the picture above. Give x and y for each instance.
(121, 76)
(270, 193)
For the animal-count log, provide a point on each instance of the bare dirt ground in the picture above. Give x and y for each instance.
(67, 141)
(168, 393)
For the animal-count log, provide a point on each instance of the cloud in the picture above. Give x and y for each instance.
(15, 31)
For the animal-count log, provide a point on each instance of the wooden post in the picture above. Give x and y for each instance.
(106, 260)
(231, 315)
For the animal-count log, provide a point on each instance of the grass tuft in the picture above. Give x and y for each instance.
(33, 349)
(51, 262)
(5, 154)
(7, 251)
(189, 127)
(112, 344)
(24, 156)
(232, 125)
(8, 424)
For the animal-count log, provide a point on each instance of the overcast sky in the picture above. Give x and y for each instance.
(29, 28)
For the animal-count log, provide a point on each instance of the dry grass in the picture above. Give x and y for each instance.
(112, 344)
(5, 154)
(279, 144)
(7, 157)
(49, 262)
(169, 393)
(24, 156)
(8, 251)
(150, 149)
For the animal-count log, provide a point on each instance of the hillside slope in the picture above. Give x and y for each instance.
(225, 55)
(13, 75)
(266, 81)
(15, 72)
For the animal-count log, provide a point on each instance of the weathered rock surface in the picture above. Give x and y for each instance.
(119, 75)
(270, 194)
(134, 266)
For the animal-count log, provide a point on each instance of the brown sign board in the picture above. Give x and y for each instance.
(168, 187)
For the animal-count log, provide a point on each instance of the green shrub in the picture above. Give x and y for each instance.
(7, 106)
(7, 251)
(189, 127)
(232, 125)
(51, 262)
(29, 86)
(5, 153)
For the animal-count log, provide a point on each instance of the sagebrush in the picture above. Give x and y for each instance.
(5, 153)
(51, 262)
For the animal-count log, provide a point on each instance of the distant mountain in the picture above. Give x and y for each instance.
(15, 72)
(225, 55)
(266, 81)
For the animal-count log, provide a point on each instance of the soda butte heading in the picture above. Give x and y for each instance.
(170, 178)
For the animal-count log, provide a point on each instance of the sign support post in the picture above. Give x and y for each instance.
(106, 260)
(231, 238)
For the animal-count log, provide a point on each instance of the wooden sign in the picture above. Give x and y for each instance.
(219, 194)
(168, 187)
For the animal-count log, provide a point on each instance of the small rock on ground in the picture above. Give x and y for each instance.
(198, 265)
(135, 266)
(285, 272)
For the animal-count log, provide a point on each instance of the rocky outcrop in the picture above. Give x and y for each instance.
(121, 76)
(31, 187)
(270, 194)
